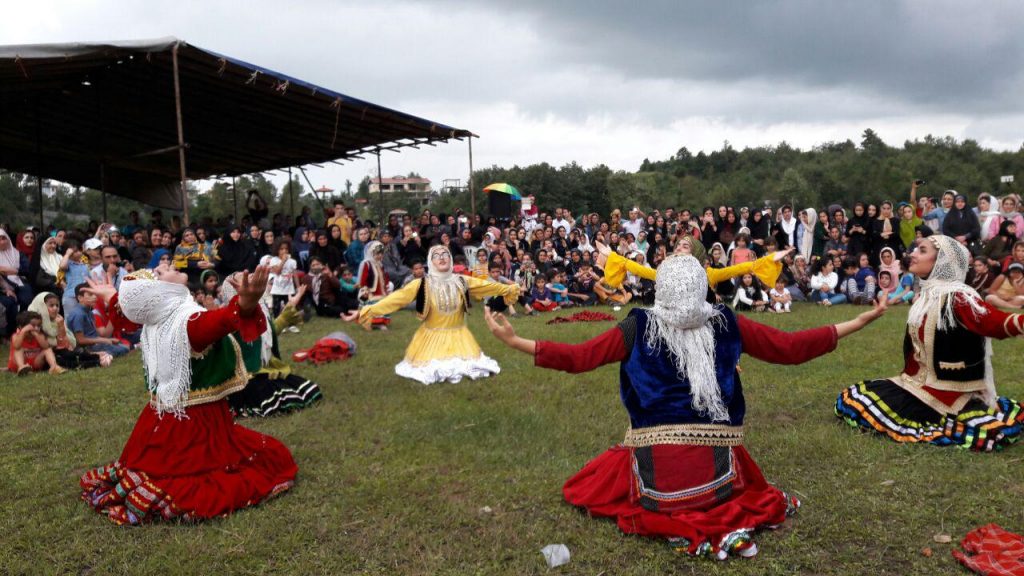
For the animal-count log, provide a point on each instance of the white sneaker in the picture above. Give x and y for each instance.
(293, 329)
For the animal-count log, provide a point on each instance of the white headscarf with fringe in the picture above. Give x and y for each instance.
(939, 292)
(163, 309)
(681, 321)
(444, 286)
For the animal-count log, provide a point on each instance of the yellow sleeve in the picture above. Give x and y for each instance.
(289, 316)
(180, 260)
(616, 267)
(481, 289)
(390, 303)
(765, 268)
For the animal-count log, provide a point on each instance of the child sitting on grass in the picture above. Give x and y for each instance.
(29, 349)
(749, 295)
(494, 275)
(583, 285)
(856, 292)
(781, 299)
(541, 298)
(559, 288)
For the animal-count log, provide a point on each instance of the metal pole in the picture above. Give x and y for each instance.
(380, 190)
(234, 198)
(39, 169)
(291, 196)
(472, 192)
(181, 133)
(103, 188)
(315, 195)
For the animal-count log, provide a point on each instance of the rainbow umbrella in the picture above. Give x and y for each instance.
(504, 189)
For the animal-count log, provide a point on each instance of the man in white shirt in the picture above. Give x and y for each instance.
(635, 223)
(563, 219)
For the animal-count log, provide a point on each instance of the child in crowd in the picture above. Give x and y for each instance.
(896, 292)
(209, 290)
(282, 276)
(29, 349)
(480, 268)
(541, 298)
(749, 295)
(60, 338)
(559, 289)
(742, 252)
(349, 289)
(856, 292)
(780, 298)
(582, 287)
(76, 270)
(1008, 289)
(82, 323)
(495, 275)
(824, 282)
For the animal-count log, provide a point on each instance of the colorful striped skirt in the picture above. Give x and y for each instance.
(884, 407)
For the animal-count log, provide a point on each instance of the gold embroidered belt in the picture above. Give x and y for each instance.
(687, 434)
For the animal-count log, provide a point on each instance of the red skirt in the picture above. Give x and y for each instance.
(203, 466)
(695, 520)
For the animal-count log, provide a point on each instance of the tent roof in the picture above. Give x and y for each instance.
(103, 115)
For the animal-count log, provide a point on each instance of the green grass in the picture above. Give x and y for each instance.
(393, 474)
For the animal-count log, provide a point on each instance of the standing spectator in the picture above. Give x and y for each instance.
(859, 230)
(282, 275)
(962, 224)
(342, 221)
(257, 207)
(885, 231)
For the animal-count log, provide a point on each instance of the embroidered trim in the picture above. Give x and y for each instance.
(224, 389)
(685, 434)
(961, 365)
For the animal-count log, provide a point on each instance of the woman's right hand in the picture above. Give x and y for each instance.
(499, 326)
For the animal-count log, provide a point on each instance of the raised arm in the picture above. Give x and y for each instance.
(390, 303)
(779, 347)
(994, 323)
(486, 288)
(573, 358)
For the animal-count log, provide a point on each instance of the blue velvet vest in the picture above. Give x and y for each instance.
(651, 389)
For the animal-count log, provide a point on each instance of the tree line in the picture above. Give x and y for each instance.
(833, 172)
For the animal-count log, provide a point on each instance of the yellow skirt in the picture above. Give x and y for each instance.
(445, 354)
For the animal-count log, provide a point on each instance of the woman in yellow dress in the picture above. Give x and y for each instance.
(766, 268)
(443, 347)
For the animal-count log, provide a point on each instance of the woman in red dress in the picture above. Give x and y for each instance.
(186, 457)
(682, 472)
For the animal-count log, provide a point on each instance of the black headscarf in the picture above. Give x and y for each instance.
(235, 256)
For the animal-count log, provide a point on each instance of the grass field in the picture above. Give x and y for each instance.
(394, 475)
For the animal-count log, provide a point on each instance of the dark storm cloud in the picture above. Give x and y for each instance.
(962, 57)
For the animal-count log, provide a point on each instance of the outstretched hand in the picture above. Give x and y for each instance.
(250, 287)
(499, 326)
(880, 307)
(102, 289)
(602, 248)
(778, 256)
(296, 299)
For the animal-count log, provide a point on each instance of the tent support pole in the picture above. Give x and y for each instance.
(380, 191)
(315, 195)
(234, 198)
(472, 192)
(291, 196)
(103, 188)
(39, 169)
(181, 133)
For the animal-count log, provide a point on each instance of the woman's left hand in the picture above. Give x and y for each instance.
(250, 288)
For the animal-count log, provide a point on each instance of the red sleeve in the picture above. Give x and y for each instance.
(575, 358)
(994, 324)
(121, 324)
(779, 347)
(205, 328)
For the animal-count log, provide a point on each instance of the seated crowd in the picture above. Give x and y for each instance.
(841, 255)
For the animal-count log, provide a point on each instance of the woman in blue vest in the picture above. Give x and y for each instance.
(682, 472)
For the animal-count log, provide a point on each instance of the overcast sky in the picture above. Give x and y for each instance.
(604, 81)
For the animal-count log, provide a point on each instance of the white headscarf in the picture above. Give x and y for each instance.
(445, 287)
(378, 270)
(939, 293)
(681, 320)
(807, 240)
(11, 258)
(163, 309)
(49, 261)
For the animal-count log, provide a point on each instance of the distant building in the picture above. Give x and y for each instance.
(418, 188)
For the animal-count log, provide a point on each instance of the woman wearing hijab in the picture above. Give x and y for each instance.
(26, 243)
(442, 349)
(44, 270)
(356, 251)
(961, 223)
(328, 254)
(999, 246)
(12, 265)
(235, 253)
(682, 472)
(760, 229)
(885, 232)
(859, 230)
(186, 457)
(190, 255)
(945, 395)
(1008, 210)
(985, 212)
(909, 221)
(820, 235)
(160, 255)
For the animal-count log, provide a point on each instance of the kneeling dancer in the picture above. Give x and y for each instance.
(682, 472)
(946, 393)
(186, 457)
(443, 348)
